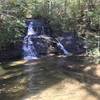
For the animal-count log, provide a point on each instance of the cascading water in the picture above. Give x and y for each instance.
(28, 46)
(30, 29)
(63, 49)
(37, 42)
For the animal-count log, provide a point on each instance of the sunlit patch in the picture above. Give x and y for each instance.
(97, 71)
(64, 56)
(20, 62)
(51, 54)
(32, 62)
(17, 88)
(12, 75)
(87, 69)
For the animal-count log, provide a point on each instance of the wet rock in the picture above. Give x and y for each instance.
(72, 43)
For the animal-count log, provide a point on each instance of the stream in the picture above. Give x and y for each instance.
(19, 79)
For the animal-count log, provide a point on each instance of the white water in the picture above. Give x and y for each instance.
(28, 47)
(64, 50)
(30, 29)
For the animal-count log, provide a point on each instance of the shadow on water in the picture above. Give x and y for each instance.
(35, 76)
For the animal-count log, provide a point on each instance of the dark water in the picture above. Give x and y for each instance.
(20, 79)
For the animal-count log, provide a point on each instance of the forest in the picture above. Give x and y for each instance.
(54, 76)
(80, 16)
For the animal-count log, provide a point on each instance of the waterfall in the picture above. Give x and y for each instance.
(28, 46)
(63, 49)
(30, 29)
(35, 44)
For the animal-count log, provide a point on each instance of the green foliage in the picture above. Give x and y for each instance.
(12, 24)
(63, 15)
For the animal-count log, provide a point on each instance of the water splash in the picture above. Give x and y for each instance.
(28, 46)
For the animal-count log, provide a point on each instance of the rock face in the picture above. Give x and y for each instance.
(40, 27)
(35, 42)
(43, 39)
(40, 44)
(72, 43)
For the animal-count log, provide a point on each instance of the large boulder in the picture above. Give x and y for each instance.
(41, 45)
